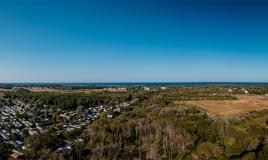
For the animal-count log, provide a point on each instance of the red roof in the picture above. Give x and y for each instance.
(15, 155)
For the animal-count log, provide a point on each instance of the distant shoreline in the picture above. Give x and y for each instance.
(116, 84)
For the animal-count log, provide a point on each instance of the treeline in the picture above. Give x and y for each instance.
(72, 101)
(212, 92)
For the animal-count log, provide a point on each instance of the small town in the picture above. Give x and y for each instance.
(17, 121)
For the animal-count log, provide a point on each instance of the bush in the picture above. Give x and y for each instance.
(209, 150)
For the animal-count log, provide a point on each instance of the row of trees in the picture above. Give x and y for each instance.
(72, 101)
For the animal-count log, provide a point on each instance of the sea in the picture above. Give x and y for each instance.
(118, 84)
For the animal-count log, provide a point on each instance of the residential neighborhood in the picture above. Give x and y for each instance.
(18, 121)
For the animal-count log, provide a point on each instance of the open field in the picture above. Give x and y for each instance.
(64, 91)
(4, 90)
(225, 108)
(51, 90)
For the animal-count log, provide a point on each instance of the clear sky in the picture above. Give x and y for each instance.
(133, 40)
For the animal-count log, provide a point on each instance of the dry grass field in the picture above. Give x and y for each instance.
(225, 108)
(2, 92)
(50, 90)
(64, 91)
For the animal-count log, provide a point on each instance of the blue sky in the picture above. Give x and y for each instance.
(133, 40)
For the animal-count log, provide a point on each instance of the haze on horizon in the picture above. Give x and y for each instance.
(133, 41)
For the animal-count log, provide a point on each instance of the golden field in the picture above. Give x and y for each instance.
(243, 104)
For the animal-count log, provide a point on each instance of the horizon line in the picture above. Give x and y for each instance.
(132, 82)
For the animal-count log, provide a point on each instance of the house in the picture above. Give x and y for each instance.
(24, 147)
(117, 110)
(16, 155)
(59, 150)
(163, 88)
(69, 145)
(125, 104)
(122, 89)
(146, 88)
(31, 132)
(245, 91)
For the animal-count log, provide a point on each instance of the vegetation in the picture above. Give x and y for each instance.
(175, 132)
(72, 101)
(155, 128)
